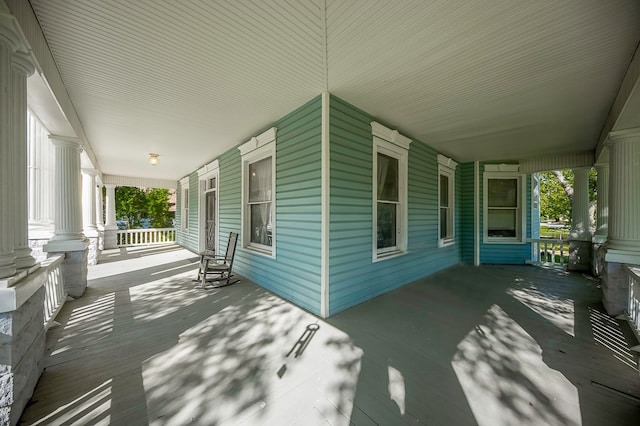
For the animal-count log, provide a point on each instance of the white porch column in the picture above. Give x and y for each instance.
(22, 68)
(8, 45)
(89, 202)
(111, 228)
(602, 220)
(99, 205)
(602, 208)
(623, 245)
(68, 198)
(580, 235)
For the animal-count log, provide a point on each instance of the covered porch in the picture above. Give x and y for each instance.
(469, 345)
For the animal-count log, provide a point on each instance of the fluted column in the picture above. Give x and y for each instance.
(602, 207)
(22, 68)
(89, 202)
(8, 45)
(111, 228)
(99, 206)
(41, 181)
(624, 197)
(580, 249)
(68, 235)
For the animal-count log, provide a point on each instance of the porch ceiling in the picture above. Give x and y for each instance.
(475, 80)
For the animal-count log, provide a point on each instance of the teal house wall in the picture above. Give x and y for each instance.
(352, 275)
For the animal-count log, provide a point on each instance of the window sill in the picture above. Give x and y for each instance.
(260, 251)
(503, 241)
(388, 255)
(446, 243)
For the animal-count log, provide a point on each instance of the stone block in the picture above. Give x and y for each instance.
(74, 271)
(110, 239)
(580, 256)
(94, 252)
(615, 288)
(599, 263)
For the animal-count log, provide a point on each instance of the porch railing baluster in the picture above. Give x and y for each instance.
(145, 237)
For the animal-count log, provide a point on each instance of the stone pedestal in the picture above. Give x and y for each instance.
(599, 252)
(580, 256)
(110, 238)
(22, 345)
(74, 270)
(615, 288)
(93, 250)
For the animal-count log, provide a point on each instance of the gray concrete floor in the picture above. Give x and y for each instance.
(486, 345)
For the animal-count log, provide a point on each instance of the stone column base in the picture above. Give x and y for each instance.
(110, 239)
(599, 263)
(21, 355)
(74, 271)
(94, 250)
(579, 256)
(615, 288)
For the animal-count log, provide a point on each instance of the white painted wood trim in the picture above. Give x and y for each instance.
(184, 182)
(390, 135)
(502, 168)
(207, 168)
(522, 187)
(139, 182)
(258, 141)
(557, 162)
(326, 207)
(447, 162)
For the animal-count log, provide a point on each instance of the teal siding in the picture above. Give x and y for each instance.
(506, 253)
(467, 211)
(189, 239)
(353, 276)
(295, 273)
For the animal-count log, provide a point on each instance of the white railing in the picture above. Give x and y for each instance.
(550, 252)
(633, 310)
(145, 237)
(54, 296)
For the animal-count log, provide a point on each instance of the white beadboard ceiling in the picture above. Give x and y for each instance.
(476, 80)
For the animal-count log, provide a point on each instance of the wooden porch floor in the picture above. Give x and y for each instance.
(483, 345)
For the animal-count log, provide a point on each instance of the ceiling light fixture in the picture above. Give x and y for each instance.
(154, 159)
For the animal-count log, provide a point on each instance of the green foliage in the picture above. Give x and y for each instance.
(136, 205)
(555, 203)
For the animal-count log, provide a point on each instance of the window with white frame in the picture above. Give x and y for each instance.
(184, 206)
(446, 200)
(504, 204)
(390, 176)
(258, 193)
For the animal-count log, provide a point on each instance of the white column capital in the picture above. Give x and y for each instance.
(110, 185)
(89, 172)
(64, 141)
(627, 135)
(22, 63)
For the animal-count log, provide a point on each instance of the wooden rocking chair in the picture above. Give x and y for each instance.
(218, 268)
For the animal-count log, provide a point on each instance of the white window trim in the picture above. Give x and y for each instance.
(258, 148)
(184, 207)
(205, 173)
(447, 167)
(503, 171)
(391, 142)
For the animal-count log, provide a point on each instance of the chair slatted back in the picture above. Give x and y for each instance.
(231, 248)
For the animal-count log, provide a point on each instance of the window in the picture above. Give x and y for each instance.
(503, 206)
(184, 203)
(446, 200)
(258, 193)
(390, 158)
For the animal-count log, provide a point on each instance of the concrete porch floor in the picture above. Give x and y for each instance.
(486, 345)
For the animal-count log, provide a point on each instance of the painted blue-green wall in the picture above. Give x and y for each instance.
(295, 272)
(353, 276)
(467, 211)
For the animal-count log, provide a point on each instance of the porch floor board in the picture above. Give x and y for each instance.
(485, 345)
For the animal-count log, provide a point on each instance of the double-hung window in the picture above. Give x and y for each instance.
(504, 205)
(390, 169)
(184, 203)
(446, 200)
(258, 193)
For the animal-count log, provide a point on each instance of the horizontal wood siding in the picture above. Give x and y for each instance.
(295, 273)
(188, 239)
(353, 276)
(467, 211)
(506, 253)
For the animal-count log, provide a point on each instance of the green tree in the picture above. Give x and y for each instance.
(158, 208)
(556, 194)
(131, 205)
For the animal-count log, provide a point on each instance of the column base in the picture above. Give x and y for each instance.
(110, 238)
(599, 263)
(94, 250)
(24, 259)
(615, 288)
(580, 256)
(74, 270)
(58, 246)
